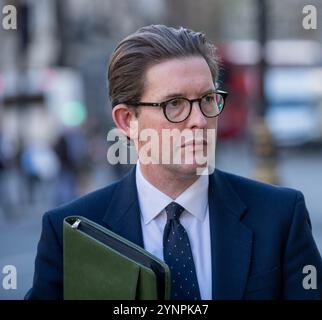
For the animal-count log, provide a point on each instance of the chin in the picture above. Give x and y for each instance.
(186, 170)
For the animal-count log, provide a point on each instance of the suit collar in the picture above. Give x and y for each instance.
(221, 188)
(123, 213)
(231, 240)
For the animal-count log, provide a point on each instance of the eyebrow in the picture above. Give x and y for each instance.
(181, 95)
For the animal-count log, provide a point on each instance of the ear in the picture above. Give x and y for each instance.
(125, 120)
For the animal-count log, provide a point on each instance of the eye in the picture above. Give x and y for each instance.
(209, 98)
(175, 103)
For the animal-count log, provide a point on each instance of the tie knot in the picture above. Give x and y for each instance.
(173, 210)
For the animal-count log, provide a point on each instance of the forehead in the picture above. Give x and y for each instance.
(187, 76)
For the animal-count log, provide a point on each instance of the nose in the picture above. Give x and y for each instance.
(196, 118)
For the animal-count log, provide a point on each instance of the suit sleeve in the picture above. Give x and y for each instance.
(301, 251)
(48, 275)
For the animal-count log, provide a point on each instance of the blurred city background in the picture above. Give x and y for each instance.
(55, 113)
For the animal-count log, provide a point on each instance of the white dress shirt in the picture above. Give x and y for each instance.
(195, 219)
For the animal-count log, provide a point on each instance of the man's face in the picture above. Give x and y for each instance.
(188, 77)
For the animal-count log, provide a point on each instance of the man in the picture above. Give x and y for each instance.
(223, 236)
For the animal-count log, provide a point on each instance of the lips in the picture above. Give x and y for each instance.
(194, 143)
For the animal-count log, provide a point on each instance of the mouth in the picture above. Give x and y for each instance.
(194, 143)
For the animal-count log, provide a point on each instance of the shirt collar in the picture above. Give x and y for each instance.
(152, 201)
(195, 198)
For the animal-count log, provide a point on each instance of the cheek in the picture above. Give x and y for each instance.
(151, 123)
(212, 123)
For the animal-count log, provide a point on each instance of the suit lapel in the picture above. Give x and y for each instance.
(231, 240)
(123, 213)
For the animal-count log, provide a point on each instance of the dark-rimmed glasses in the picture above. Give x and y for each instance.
(178, 109)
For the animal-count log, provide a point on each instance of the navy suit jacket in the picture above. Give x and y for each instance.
(260, 237)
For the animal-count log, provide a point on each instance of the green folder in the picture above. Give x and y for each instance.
(101, 265)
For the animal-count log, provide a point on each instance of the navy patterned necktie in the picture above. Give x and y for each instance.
(178, 256)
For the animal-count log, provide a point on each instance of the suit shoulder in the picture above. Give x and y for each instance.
(251, 184)
(253, 191)
(92, 206)
(269, 209)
